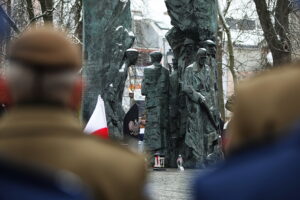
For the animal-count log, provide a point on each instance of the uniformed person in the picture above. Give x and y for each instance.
(42, 128)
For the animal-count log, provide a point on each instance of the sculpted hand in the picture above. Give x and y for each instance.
(185, 88)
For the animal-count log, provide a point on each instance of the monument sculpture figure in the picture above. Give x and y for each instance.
(173, 101)
(187, 54)
(113, 106)
(211, 62)
(193, 14)
(155, 87)
(174, 116)
(194, 21)
(201, 126)
(107, 30)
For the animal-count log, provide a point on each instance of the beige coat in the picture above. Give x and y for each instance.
(53, 137)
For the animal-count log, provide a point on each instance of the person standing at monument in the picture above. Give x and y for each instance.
(41, 126)
(155, 87)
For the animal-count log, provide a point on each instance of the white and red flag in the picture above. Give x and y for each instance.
(97, 124)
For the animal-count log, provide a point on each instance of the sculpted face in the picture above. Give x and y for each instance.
(213, 51)
(156, 57)
(201, 56)
(211, 47)
(175, 64)
(132, 56)
(189, 49)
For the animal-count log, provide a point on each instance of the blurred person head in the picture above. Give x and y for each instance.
(265, 108)
(42, 68)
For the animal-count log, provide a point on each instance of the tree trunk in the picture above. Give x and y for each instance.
(30, 10)
(47, 10)
(78, 19)
(219, 57)
(276, 35)
(231, 65)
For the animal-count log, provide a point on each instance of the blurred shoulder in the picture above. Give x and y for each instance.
(111, 153)
(276, 79)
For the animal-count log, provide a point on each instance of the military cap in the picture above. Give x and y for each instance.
(188, 41)
(210, 43)
(45, 47)
(202, 52)
(156, 56)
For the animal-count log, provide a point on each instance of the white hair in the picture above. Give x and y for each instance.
(29, 85)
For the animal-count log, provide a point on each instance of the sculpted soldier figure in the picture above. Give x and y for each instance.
(155, 87)
(200, 127)
(211, 52)
(115, 92)
(173, 94)
(211, 47)
(187, 55)
(193, 22)
(174, 123)
(213, 74)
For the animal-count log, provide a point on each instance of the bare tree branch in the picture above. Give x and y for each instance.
(231, 65)
(275, 36)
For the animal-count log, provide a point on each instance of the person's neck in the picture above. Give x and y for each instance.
(40, 104)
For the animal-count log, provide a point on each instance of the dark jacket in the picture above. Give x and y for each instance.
(269, 173)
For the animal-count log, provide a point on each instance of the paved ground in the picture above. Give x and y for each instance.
(171, 184)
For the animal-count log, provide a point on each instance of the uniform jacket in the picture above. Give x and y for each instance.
(52, 137)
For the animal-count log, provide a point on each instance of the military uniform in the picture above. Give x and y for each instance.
(52, 137)
(200, 130)
(155, 87)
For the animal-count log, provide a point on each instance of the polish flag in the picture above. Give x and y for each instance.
(97, 124)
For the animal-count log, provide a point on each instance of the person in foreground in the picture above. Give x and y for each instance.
(263, 160)
(41, 125)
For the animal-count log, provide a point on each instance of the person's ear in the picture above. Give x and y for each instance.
(76, 97)
(5, 93)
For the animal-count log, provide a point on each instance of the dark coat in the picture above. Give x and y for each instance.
(269, 173)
